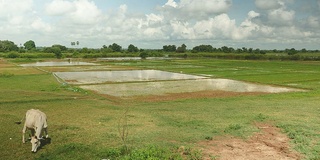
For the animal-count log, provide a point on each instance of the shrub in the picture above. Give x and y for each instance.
(13, 55)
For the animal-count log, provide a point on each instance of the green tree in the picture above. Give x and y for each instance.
(29, 45)
(132, 48)
(55, 50)
(291, 51)
(202, 48)
(182, 48)
(169, 48)
(7, 46)
(62, 48)
(143, 55)
(115, 47)
(105, 49)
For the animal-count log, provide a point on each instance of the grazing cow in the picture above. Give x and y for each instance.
(36, 121)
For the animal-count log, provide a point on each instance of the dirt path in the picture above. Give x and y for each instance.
(269, 144)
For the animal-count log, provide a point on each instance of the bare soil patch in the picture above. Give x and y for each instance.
(4, 63)
(269, 144)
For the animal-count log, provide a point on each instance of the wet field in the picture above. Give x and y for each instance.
(126, 83)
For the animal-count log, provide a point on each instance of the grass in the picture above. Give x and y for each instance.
(84, 125)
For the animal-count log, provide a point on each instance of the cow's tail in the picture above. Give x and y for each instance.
(19, 122)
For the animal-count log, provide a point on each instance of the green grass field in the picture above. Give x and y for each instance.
(85, 125)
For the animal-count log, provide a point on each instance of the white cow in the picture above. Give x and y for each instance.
(36, 121)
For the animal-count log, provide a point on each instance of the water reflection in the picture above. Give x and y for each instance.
(182, 86)
(94, 77)
(154, 82)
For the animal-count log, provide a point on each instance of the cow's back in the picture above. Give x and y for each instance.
(35, 118)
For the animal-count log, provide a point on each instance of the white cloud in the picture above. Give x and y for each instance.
(171, 3)
(39, 25)
(78, 12)
(281, 16)
(86, 12)
(10, 9)
(153, 19)
(16, 13)
(195, 9)
(60, 7)
(206, 6)
(253, 14)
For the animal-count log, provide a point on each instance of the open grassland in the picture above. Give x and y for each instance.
(85, 125)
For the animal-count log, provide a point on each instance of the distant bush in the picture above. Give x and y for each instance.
(143, 55)
(12, 55)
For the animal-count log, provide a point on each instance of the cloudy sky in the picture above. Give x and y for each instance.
(265, 24)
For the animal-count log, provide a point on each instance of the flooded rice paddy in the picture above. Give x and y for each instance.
(155, 82)
(181, 86)
(94, 77)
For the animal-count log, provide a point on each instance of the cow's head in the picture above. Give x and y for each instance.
(35, 143)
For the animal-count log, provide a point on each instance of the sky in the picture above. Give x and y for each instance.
(151, 24)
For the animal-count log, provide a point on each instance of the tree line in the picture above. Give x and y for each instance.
(57, 49)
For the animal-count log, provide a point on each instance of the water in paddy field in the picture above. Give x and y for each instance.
(154, 82)
(94, 77)
(182, 86)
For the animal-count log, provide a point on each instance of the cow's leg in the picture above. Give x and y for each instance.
(23, 133)
(45, 130)
(38, 131)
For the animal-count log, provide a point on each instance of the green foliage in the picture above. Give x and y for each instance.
(151, 153)
(29, 45)
(202, 48)
(106, 50)
(143, 55)
(69, 151)
(6, 75)
(7, 46)
(300, 136)
(260, 117)
(235, 129)
(232, 127)
(182, 49)
(55, 50)
(61, 47)
(115, 47)
(132, 48)
(13, 55)
(291, 51)
(169, 48)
